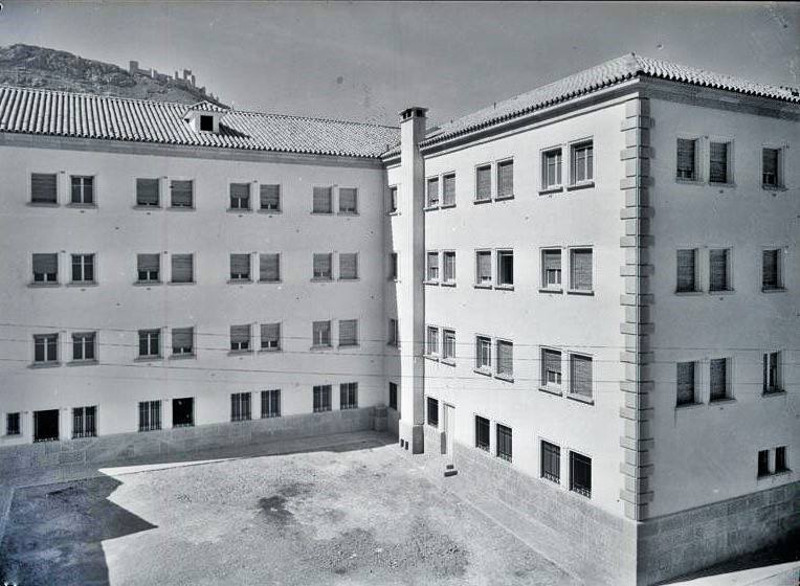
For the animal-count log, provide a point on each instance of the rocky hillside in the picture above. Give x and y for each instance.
(39, 67)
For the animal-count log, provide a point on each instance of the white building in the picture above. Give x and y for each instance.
(583, 297)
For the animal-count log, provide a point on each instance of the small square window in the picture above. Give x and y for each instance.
(44, 188)
(148, 192)
(148, 268)
(207, 123)
(45, 268)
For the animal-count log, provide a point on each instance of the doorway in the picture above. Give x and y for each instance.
(449, 426)
(183, 412)
(45, 425)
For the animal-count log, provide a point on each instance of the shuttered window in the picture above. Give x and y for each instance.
(580, 474)
(321, 333)
(551, 269)
(348, 200)
(504, 444)
(719, 153)
(483, 353)
(149, 343)
(148, 267)
(45, 348)
(240, 338)
(348, 332)
(483, 267)
(322, 398)
(449, 190)
(44, 188)
(551, 462)
(551, 169)
(432, 339)
(719, 379)
(448, 345)
(687, 270)
(505, 358)
(270, 196)
(551, 368)
(582, 162)
(323, 200)
(482, 433)
(505, 268)
(269, 267)
(240, 267)
(45, 268)
(770, 159)
(483, 183)
(241, 407)
(83, 346)
(81, 190)
(581, 375)
(181, 193)
(147, 192)
(348, 396)
(505, 179)
(433, 267)
(240, 196)
(270, 404)
(84, 422)
(182, 341)
(182, 268)
(581, 269)
(323, 266)
(348, 265)
(687, 159)
(149, 415)
(432, 194)
(271, 336)
(771, 269)
(685, 374)
(719, 269)
(449, 268)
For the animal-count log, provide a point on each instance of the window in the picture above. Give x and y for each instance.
(348, 200)
(719, 269)
(181, 193)
(718, 375)
(45, 349)
(183, 412)
(505, 179)
(13, 424)
(505, 359)
(551, 462)
(551, 369)
(505, 268)
(182, 268)
(83, 268)
(240, 196)
(687, 271)
(270, 404)
(270, 197)
(84, 422)
(240, 407)
(483, 183)
(323, 200)
(46, 425)
(393, 267)
(432, 273)
(269, 268)
(271, 336)
(148, 192)
(582, 162)
(483, 268)
(207, 123)
(580, 265)
(580, 375)
(448, 345)
(322, 398)
(551, 269)
(449, 190)
(183, 341)
(770, 168)
(432, 339)
(686, 384)
(321, 333)
(348, 396)
(719, 162)
(323, 266)
(394, 332)
(149, 415)
(432, 194)
(240, 338)
(763, 463)
(44, 188)
(551, 169)
(392, 199)
(449, 268)
(240, 267)
(148, 268)
(393, 396)
(504, 447)
(348, 266)
(772, 372)
(580, 474)
(781, 464)
(482, 433)
(348, 332)
(483, 353)
(687, 159)
(45, 268)
(771, 273)
(84, 346)
(149, 343)
(82, 190)
(433, 412)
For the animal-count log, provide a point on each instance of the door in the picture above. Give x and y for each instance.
(449, 429)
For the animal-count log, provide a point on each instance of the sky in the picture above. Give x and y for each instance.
(366, 61)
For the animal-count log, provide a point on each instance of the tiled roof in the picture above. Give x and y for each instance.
(206, 106)
(603, 75)
(56, 113)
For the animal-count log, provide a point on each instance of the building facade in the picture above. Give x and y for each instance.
(584, 298)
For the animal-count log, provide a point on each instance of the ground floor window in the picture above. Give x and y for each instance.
(393, 396)
(504, 450)
(183, 412)
(270, 404)
(551, 462)
(481, 433)
(149, 415)
(322, 398)
(84, 422)
(13, 424)
(433, 412)
(580, 475)
(240, 407)
(45, 425)
(348, 396)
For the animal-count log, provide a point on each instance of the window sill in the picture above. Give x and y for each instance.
(688, 406)
(580, 398)
(689, 293)
(504, 287)
(721, 184)
(552, 291)
(778, 393)
(278, 282)
(321, 279)
(445, 206)
(82, 206)
(430, 208)
(313, 213)
(148, 358)
(82, 363)
(722, 401)
(482, 286)
(268, 211)
(549, 190)
(504, 377)
(580, 292)
(480, 201)
(685, 181)
(147, 283)
(773, 290)
(551, 391)
(393, 213)
(774, 476)
(436, 283)
(722, 292)
(270, 350)
(147, 207)
(774, 187)
(43, 204)
(239, 210)
(504, 197)
(346, 346)
(321, 348)
(182, 356)
(448, 284)
(53, 364)
(482, 371)
(181, 209)
(341, 213)
(239, 281)
(346, 279)
(43, 285)
(448, 361)
(431, 357)
(181, 283)
(582, 185)
(239, 352)
(79, 285)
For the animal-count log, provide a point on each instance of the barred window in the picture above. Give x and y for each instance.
(149, 415)
(551, 462)
(580, 474)
(348, 396)
(240, 407)
(270, 404)
(84, 422)
(322, 398)
(482, 433)
(504, 446)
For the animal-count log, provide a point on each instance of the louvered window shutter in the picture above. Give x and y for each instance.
(323, 200)
(719, 383)
(322, 266)
(505, 179)
(718, 172)
(270, 335)
(769, 170)
(685, 383)
(240, 195)
(348, 266)
(182, 268)
(686, 158)
(44, 188)
(348, 200)
(581, 267)
(449, 266)
(483, 183)
(182, 194)
(45, 265)
(433, 192)
(718, 260)
(552, 362)
(240, 334)
(148, 262)
(449, 190)
(770, 278)
(182, 338)
(686, 270)
(484, 267)
(505, 358)
(270, 197)
(240, 266)
(348, 332)
(269, 267)
(147, 192)
(581, 375)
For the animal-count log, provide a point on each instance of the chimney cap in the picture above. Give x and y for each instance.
(413, 112)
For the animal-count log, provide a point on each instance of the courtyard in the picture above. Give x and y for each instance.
(355, 511)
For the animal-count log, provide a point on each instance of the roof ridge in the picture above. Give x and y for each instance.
(91, 95)
(319, 118)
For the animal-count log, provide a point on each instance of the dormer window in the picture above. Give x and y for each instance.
(207, 123)
(204, 117)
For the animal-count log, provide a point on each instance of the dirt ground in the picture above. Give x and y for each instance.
(364, 516)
